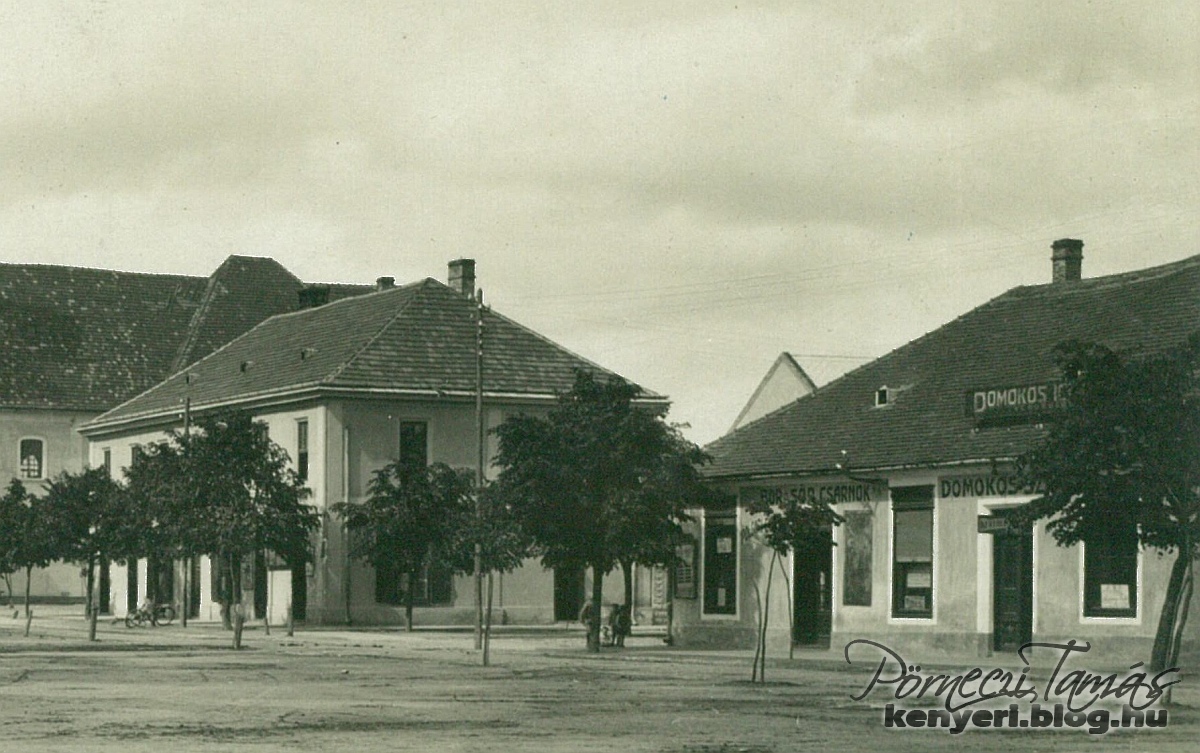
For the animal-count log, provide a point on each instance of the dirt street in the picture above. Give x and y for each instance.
(337, 690)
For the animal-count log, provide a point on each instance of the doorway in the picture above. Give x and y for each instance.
(1012, 588)
(568, 593)
(813, 590)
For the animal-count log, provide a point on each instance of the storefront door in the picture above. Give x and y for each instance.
(1012, 589)
(813, 591)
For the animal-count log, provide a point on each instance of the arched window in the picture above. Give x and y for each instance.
(32, 462)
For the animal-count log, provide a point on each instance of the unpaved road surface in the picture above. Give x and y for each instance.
(175, 689)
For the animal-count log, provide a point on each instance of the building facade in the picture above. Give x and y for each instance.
(347, 388)
(916, 452)
(77, 342)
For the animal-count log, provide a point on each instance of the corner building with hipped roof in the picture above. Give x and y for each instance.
(916, 452)
(346, 388)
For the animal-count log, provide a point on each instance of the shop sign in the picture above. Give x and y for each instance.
(814, 494)
(992, 524)
(985, 485)
(1026, 403)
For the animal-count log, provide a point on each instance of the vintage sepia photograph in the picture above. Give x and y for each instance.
(675, 376)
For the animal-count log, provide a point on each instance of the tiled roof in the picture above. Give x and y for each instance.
(74, 338)
(418, 338)
(1008, 341)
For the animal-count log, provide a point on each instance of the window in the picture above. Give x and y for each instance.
(432, 586)
(912, 551)
(720, 562)
(302, 449)
(32, 461)
(414, 453)
(856, 574)
(881, 397)
(1110, 565)
(137, 454)
(106, 463)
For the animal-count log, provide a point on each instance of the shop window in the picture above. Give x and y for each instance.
(302, 449)
(685, 570)
(720, 562)
(1110, 565)
(912, 551)
(32, 461)
(856, 574)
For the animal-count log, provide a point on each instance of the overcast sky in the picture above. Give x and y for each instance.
(677, 190)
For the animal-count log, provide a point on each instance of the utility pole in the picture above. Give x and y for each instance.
(479, 438)
(186, 601)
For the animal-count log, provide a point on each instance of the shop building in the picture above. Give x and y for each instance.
(347, 388)
(916, 451)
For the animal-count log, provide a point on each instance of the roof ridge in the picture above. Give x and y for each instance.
(1128, 277)
(1138, 275)
(74, 267)
(420, 286)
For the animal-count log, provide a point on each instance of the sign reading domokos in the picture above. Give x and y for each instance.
(814, 494)
(1027, 403)
(984, 485)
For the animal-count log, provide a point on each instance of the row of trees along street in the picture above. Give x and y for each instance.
(224, 490)
(603, 482)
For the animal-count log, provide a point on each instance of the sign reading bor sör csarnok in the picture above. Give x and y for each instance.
(830, 493)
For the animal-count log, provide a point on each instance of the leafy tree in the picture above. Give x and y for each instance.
(412, 518)
(91, 525)
(223, 489)
(27, 539)
(784, 528)
(1125, 454)
(599, 480)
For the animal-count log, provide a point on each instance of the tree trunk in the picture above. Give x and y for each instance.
(408, 601)
(762, 657)
(593, 637)
(91, 598)
(487, 622)
(627, 572)
(758, 647)
(224, 588)
(185, 602)
(787, 583)
(28, 614)
(1185, 606)
(235, 599)
(1167, 618)
(90, 602)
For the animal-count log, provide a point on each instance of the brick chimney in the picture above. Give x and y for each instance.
(1067, 260)
(385, 283)
(462, 276)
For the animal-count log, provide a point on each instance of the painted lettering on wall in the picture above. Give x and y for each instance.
(1016, 404)
(829, 494)
(985, 485)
